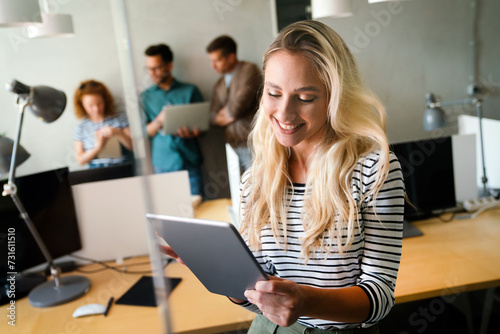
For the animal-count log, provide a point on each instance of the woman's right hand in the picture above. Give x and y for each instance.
(170, 252)
(100, 140)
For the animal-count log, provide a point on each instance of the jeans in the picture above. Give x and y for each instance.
(106, 162)
(262, 325)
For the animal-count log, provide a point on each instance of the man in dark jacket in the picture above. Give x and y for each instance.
(235, 95)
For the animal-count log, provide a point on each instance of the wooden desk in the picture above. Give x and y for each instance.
(448, 259)
(192, 308)
(214, 210)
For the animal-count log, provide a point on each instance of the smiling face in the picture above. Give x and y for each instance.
(295, 101)
(95, 106)
(159, 71)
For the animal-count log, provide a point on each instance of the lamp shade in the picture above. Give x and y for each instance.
(6, 146)
(60, 25)
(45, 102)
(18, 13)
(331, 8)
(434, 118)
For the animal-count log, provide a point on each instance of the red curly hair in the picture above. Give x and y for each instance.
(93, 87)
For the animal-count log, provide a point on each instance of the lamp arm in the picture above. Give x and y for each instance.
(10, 189)
(12, 170)
(452, 103)
(431, 103)
(484, 178)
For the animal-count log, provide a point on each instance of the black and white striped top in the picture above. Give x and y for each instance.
(371, 262)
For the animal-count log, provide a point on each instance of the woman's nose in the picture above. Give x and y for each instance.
(286, 109)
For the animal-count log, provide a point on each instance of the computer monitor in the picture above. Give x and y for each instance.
(48, 199)
(427, 167)
(103, 173)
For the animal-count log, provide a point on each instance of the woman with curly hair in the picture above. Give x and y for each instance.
(94, 106)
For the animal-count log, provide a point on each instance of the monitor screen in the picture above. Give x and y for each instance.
(48, 199)
(427, 167)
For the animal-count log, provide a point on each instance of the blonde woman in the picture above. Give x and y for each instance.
(322, 205)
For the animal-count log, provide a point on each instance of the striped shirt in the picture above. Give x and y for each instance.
(85, 129)
(371, 262)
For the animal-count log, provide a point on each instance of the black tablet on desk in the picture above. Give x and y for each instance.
(214, 251)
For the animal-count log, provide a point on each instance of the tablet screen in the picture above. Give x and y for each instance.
(214, 251)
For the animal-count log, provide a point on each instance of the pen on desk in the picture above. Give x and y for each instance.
(110, 302)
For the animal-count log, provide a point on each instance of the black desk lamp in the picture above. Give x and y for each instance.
(47, 104)
(435, 117)
(6, 146)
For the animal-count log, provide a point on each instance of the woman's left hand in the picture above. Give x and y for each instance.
(107, 131)
(280, 300)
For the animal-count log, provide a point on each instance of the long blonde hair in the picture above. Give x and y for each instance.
(356, 127)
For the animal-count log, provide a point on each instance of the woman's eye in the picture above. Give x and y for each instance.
(306, 100)
(272, 94)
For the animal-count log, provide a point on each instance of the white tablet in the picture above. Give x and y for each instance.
(214, 251)
(193, 115)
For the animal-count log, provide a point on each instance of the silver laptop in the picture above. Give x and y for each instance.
(193, 115)
(214, 251)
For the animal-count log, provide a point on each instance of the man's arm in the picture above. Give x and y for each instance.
(224, 117)
(217, 102)
(155, 125)
(150, 123)
(244, 91)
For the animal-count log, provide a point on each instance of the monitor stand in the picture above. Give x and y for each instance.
(409, 230)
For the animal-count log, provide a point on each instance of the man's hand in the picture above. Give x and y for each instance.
(160, 118)
(223, 117)
(185, 133)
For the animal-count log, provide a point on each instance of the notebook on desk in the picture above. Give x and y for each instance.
(142, 292)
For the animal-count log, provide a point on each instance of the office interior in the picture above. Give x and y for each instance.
(403, 51)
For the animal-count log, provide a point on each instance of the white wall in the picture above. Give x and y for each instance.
(422, 46)
(60, 63)
(189, 26)
(405, 49)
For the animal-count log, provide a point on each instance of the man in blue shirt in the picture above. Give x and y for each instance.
(170, 153)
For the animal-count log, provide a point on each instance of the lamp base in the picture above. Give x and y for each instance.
(70, 288)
